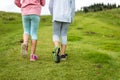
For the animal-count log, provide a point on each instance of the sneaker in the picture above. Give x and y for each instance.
(33, 57)
(56, 53)
(63, 57)
(24, 49)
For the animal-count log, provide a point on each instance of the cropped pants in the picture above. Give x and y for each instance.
(60, 30)
(30, 25)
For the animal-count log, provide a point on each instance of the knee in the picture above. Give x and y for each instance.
(27, 32)
(34, 36)
(55, 38)
(64, 40)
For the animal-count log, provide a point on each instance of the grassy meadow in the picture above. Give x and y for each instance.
(93, 49)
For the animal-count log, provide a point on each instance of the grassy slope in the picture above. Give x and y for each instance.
(93, 49)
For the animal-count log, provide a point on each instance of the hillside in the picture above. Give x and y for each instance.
(93, 49)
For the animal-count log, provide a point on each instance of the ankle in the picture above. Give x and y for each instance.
(62, 54)
(32, 54)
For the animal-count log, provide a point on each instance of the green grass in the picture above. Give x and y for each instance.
(93, 49)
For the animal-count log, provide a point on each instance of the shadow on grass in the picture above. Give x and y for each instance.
(74, 38)
(111, 47)
(98, 58)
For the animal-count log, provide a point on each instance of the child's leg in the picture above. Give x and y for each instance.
(63, 49)
(25, 38)
(26, 27)
(34, 31)
(56, 33)
(56, 40)
(33, 47)
(64, 31)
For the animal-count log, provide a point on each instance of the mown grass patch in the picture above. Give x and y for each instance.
(93, 49)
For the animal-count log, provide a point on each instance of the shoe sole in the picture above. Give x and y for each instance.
(23, 50)
(32, 60)
(56, 55)
(63, 59)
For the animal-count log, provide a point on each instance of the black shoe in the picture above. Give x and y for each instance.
(63, 57)
(56, 53)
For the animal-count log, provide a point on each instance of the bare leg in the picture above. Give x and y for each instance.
(56, 43)
(63, 49)
(33, 46)
(25, 38)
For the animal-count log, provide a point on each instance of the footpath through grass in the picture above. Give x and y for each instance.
(93, 49)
